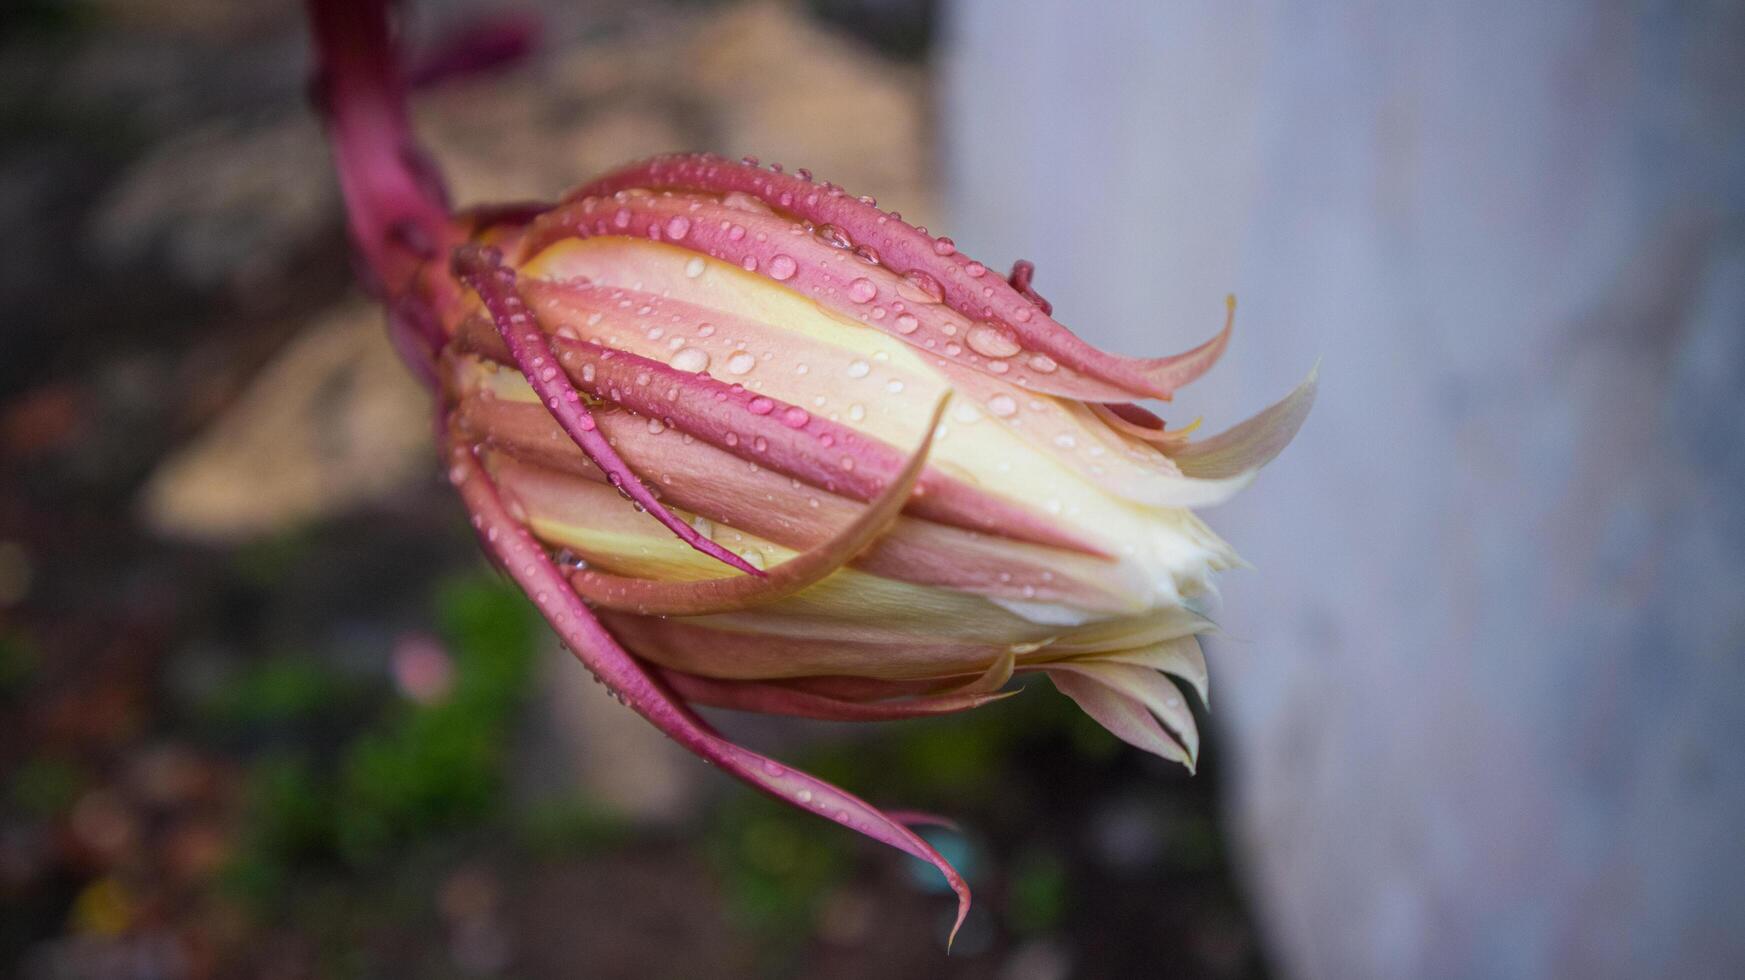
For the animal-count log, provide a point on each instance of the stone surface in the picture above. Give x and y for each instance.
(1486, 685)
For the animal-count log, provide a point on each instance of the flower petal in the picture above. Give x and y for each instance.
(1144, 686)
(664, 598)
(719, 486)
(530, 567)
(1181, 656)
(482, 269)
(1251, 444)
(777, 699)
(966, 286)
(1125, 717)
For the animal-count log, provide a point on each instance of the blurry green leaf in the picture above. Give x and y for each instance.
(570, 827)
(45, 786)
(280, 690)
(1037, 895)
(18, 661)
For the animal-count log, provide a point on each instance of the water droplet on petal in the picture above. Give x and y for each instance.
(1042, 363)
(907, 324)
(944, 246)
(782, 268)
(991, 341)
(859, 369)
(741, 363)
(862, 290)
(975, 270)
(692, 359)
(694, 267)
(833, 236)
(678, 226)
(760, 406)
(1003, 406)
(795, 417)
(920, 287)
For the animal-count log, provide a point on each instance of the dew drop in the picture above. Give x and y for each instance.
(859, 369)
(862, 290)
(1003, 406)
(944, 246)
(741, 363)
(782, 268)
(760, 406)
(894, 386)
(1042, 363)
(694, 267)
(907, 324)
(991, 341)
(795, 417)
(856, 412)
(692, 359)
(678, 226)
(921, 288)
(975, 270)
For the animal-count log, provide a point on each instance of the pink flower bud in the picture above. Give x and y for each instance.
(866, 477)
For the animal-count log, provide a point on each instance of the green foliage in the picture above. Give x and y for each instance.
(280, 690)
(409, 771)
(776, 864)
(45, 786)
(569, 827)
(1036, 898)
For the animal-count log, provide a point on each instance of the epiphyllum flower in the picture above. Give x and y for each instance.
(871, 478)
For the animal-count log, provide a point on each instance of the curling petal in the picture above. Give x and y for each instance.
(1125, 717)
(536, 574)
(482, 269)
(1143, 686)
(717, 485)
(1253, 443)
(1181, 656)
(964, 285)
(653, 597)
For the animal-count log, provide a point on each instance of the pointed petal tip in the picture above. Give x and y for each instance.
(1244, 448)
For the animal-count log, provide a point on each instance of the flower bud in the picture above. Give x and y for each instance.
(867, 477)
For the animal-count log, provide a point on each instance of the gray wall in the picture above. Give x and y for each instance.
(1484, 696)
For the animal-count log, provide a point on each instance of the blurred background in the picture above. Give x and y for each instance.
(265, 712)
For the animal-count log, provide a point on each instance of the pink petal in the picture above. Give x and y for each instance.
(519, 330)
(533, 570)
(653, 597)
(718, 485)
(776, 699)
(1124, 717)
(778, 434)
(1253, 443)
(965, 285)
(1181, 657)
